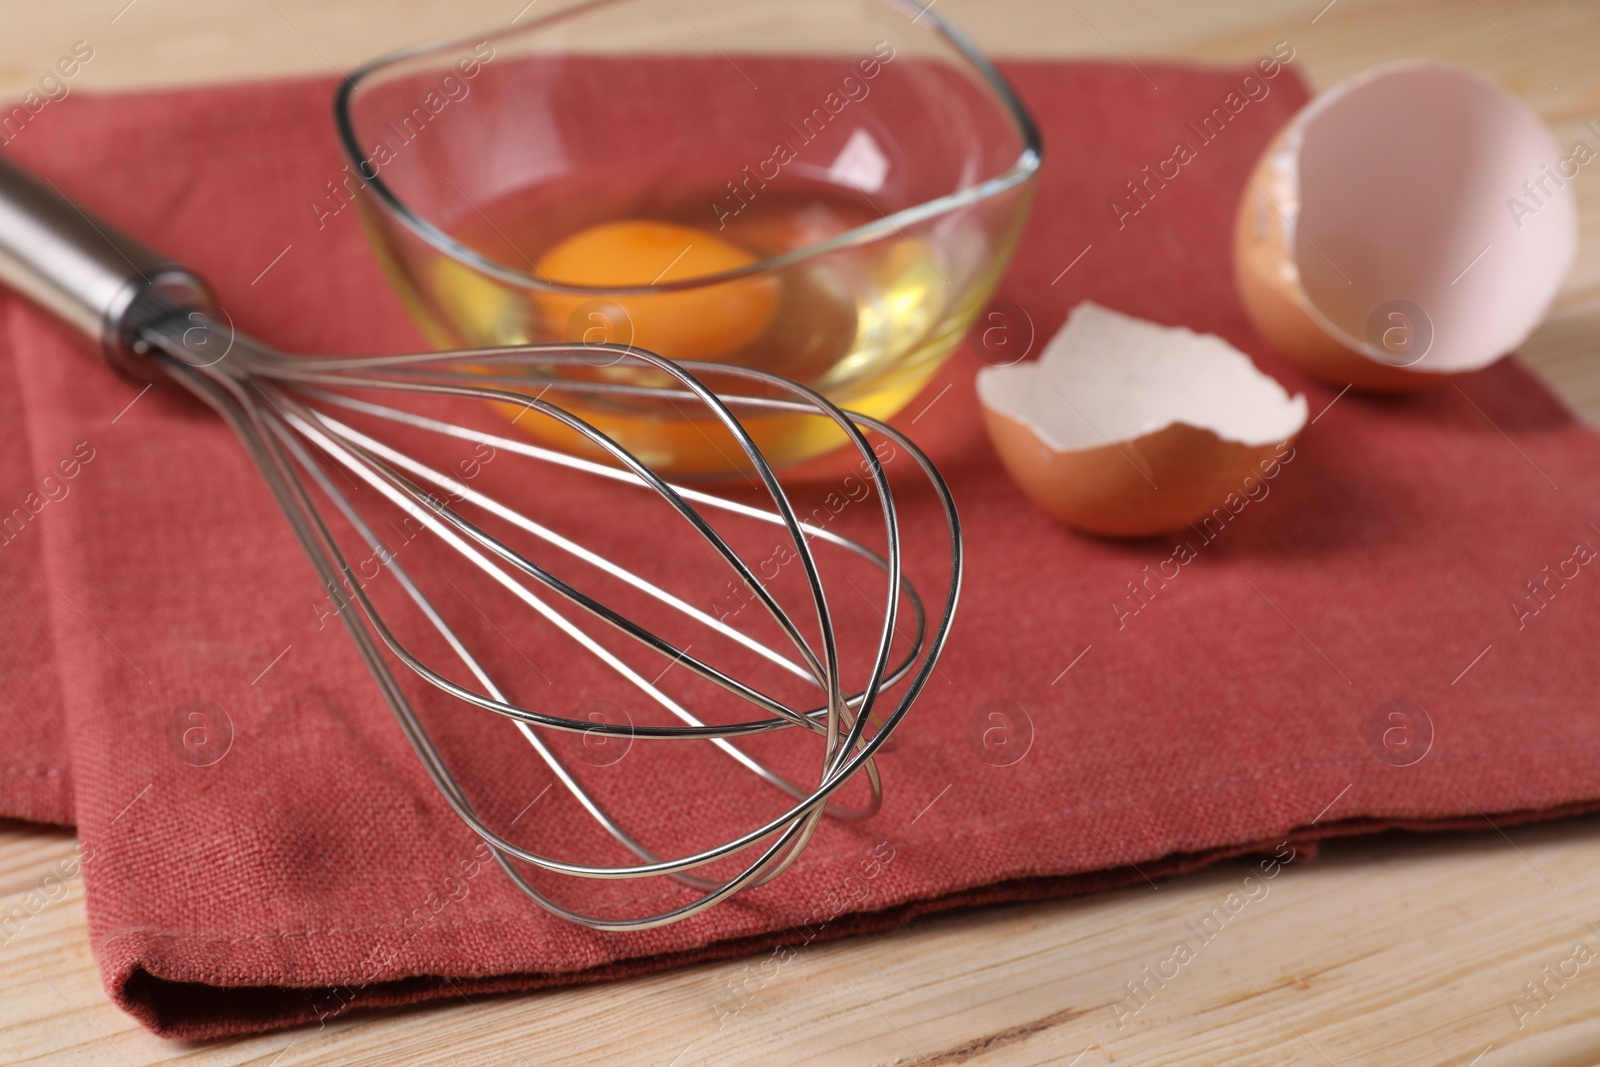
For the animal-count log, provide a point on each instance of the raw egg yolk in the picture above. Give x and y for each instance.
(705, 322)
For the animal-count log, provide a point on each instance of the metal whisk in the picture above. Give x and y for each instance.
(155, 320)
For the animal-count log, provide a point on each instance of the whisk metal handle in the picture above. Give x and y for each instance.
(85, 271)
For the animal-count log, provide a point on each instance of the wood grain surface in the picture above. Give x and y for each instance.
(1403, 950)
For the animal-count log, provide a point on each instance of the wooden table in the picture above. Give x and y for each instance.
(1396, 951)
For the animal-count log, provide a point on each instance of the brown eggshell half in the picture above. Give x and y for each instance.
(1152, 484)
(1269, 287)
(1126, 428)
(1397, 194)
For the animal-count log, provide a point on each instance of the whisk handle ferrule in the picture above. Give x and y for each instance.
(86, 272)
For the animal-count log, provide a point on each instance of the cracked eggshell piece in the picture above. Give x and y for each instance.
(1125, 428)
(1406, 227)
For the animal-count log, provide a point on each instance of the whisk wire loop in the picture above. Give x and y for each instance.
(282, 407)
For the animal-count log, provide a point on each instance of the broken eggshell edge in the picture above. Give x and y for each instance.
(1158, 470)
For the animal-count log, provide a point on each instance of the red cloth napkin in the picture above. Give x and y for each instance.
(35, 777)
(1166, 713)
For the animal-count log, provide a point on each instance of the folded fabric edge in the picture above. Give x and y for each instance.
(41, 794)
(196, 1011)
(190, 1010)
(36, 795)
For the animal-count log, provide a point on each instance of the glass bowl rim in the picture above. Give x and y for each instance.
(1025, 166)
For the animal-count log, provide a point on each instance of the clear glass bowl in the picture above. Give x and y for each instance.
(827, 190)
